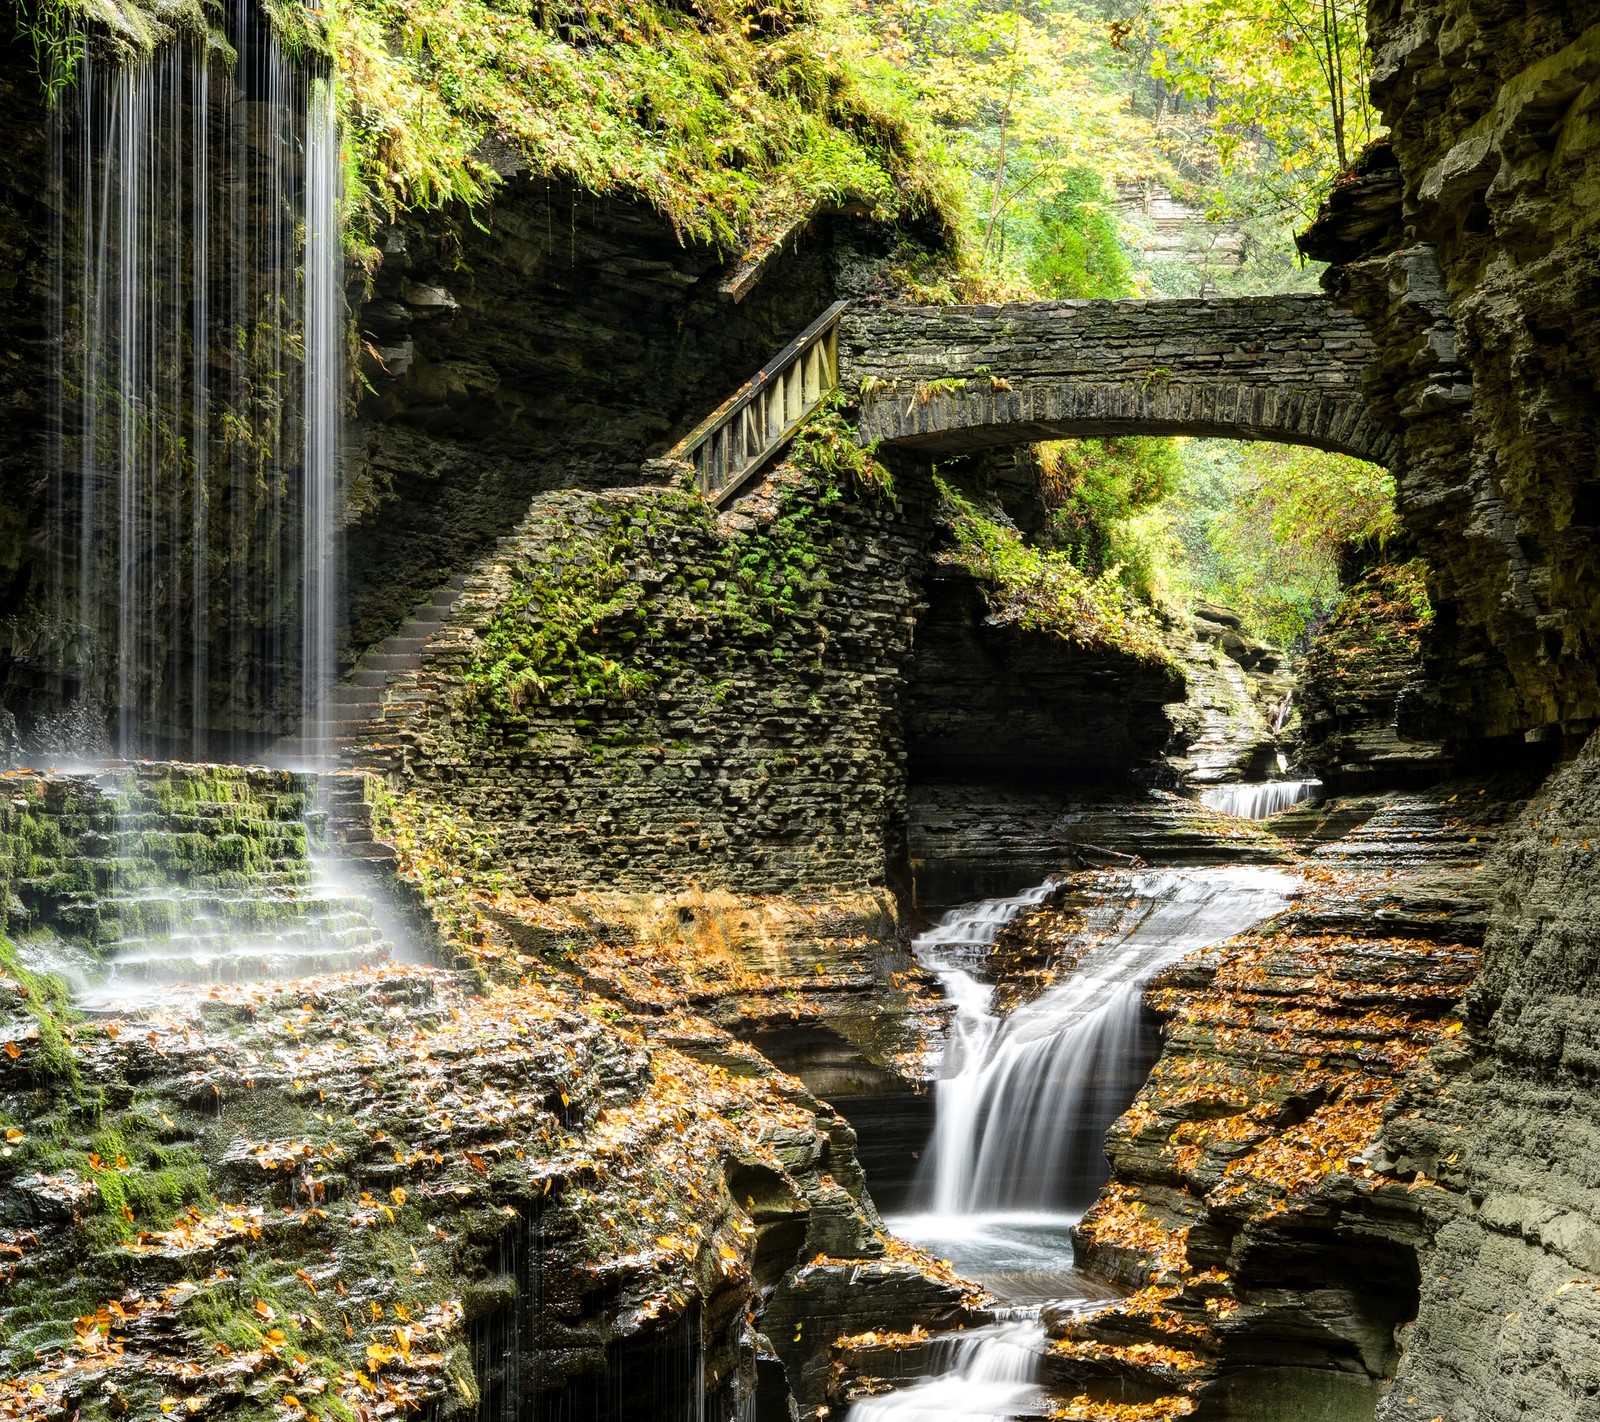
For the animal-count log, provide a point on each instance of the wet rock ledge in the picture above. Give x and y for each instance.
(518, 1186)
(1269, 1231)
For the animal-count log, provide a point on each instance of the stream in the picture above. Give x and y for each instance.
(1022, 1107)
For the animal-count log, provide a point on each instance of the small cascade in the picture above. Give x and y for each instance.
(204, 875)
(1023, 1105)
(988, 1375)
(1258, 801)
(200, 311)
(1024, 1101)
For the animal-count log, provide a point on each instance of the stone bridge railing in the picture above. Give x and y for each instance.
(960, 378)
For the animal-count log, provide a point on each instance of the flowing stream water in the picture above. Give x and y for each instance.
(1023, 1104)
(1258, 801)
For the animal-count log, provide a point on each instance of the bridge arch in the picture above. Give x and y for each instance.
(961, 378)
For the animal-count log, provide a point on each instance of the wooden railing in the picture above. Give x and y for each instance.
(748, 428)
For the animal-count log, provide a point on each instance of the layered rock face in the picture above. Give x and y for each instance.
(1362, 668)
(1003, 704)
(1272, 1239)
(1469, 247)
(1240, 697)
(1472, 255)
(633, 694)
(25, 227)
(1507, 1123)
(402, 1187)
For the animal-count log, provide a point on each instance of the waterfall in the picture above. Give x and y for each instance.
(323, 386)
(1023, 1105)
(1024, 1100)
(988, 1375)
(200, 311)
(1259, 801)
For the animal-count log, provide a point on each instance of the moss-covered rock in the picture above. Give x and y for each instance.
(1362, 662)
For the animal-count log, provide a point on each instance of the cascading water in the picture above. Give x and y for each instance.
(199, 295)
(1024, 1100)
(1023, 1104)
(1258, 801)
(988, 1373)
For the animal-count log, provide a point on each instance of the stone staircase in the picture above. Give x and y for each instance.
(354, 706)
(347, 826)
(162, 875)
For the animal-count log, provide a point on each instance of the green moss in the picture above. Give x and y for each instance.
(733, 119)
(1044, 590)
(827, 447)
(628, 582)
(43, 998)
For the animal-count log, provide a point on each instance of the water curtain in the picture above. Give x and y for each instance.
(200, 310)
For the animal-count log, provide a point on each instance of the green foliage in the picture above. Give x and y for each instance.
(1264, 525)
(1277, 88)
(827, 447)
(1374, 630)
(732, 119)
(1093, 486)
(1079, 251)
(50, 29)
(1044, 589)
(1031, 107)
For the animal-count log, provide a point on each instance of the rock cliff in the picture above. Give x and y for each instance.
(1467, 244)
(1506, 1122)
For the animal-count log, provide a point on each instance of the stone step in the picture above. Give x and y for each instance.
(370, 850)
(244, 965)
(402, 646)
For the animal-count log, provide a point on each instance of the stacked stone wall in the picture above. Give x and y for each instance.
(1272, 367)
(757, 749)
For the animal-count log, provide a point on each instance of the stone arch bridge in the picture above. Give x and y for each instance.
(955, 379)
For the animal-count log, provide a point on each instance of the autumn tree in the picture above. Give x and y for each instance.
(1276, 90)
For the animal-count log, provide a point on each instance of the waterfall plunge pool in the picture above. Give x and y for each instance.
(1022, 1105)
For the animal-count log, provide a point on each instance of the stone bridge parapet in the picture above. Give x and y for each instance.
(952, 379)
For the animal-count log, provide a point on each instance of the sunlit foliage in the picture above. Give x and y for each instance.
(733, 119)
(1029, 103)
(1044, 589)
(1278, 90)
(1263, 526)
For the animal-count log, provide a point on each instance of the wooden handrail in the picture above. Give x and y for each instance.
(753, 423)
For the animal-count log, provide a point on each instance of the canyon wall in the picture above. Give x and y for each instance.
(1468, 244)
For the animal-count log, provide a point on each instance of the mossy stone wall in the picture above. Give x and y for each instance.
(636, 693)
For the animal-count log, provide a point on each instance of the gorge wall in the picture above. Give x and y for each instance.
(1468, 246)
